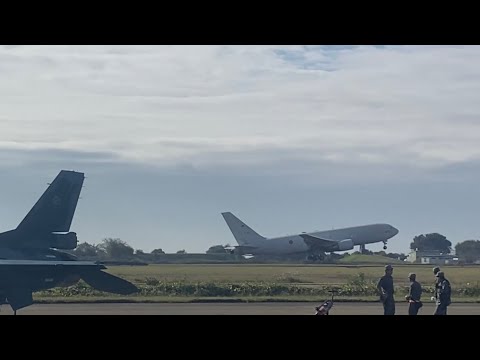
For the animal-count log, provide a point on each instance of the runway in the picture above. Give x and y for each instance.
(227, 309)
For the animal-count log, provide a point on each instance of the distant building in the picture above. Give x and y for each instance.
(431, 257)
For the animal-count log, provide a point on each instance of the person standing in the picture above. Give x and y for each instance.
(442, 294)
(414, 295)
(386, 290)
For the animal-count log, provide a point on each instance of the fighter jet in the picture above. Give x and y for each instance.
(30, 255)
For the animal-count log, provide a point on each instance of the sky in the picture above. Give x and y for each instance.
(288, 138)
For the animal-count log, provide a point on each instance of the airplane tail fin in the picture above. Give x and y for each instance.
(53, 212)
(242, 233)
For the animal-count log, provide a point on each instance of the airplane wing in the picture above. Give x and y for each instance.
(24, 276)
(316, 243)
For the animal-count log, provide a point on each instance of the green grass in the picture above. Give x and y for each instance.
(249, 282)
(294, 274)
(369, 259)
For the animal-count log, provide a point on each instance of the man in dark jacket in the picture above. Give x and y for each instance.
(386, 290)
(443, 293)
(414, 295)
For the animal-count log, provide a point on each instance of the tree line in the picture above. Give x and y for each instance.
(111, 248)
(468, 251)
(116, 249)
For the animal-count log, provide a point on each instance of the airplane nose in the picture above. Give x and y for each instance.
(395, 231)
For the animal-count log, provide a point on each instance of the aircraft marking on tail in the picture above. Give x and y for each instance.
(241, 231)
(54, 210)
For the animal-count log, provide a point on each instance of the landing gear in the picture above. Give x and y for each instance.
(362, 249)
(314, 257)
(384, 245)
(14, 312)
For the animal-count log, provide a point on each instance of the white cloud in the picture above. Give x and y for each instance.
(413, 105)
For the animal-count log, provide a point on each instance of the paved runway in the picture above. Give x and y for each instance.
(227, 309)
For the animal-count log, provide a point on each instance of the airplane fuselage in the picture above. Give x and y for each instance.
(40, 269)
(360, 235)
(42, 275)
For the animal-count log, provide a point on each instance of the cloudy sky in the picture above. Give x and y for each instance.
(288, 138)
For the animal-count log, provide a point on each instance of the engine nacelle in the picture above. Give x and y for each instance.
(67, 241)
(236, 251)
(345, 245)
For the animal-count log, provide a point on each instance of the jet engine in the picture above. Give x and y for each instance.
(64, 241)
(345, 245)
(236, 251)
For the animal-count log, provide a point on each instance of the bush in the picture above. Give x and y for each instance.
(357, 286)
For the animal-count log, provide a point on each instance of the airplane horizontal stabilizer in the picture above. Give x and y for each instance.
(106, 282)
(241, 249)
(245, 248)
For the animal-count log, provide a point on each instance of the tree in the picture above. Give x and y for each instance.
(116, 248)
(157, 252)
(433, 241)
(216, 249)
(181, 252)
(468, 251)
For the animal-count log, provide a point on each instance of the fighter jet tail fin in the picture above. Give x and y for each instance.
(54, 211)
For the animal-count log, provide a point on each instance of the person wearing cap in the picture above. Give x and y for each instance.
(414, 295)
(443, 294)
(386, 290)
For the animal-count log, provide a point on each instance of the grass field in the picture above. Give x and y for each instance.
(369, 259)
(274, 282)
(292, 274)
